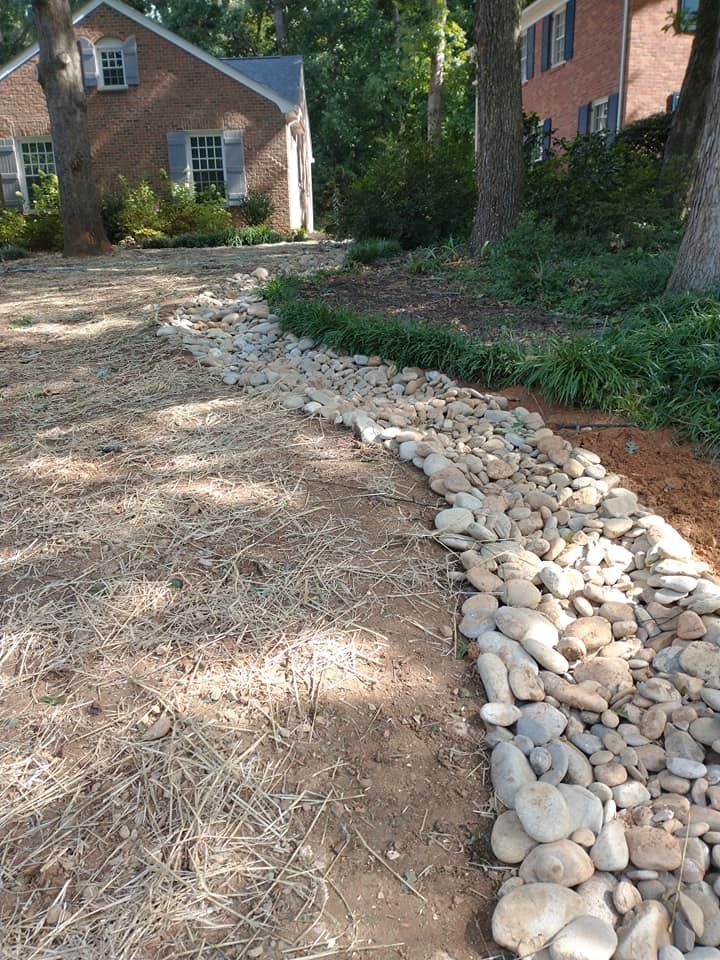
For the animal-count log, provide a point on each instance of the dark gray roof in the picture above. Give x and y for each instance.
(283, 75)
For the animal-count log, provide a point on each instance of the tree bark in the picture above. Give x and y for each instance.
(437, 69)
(698, 262)
(499, 160)
(687, 122)
(60, 75)
(279, 20)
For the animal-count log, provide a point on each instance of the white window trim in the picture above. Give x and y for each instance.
(523, 56)
(539, 144)
(189, 179)
(597, 103)
(20, 166)
(107, 44)
(563, 10)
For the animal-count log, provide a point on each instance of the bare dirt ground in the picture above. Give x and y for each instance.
(389, 288)
(232, 722)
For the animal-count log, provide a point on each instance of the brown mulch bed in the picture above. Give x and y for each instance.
(394, 291)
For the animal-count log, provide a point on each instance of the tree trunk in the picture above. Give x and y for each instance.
(279, 20)
(60, 75)
(687, 122)
(698, 262)
(499, 158)
(437, 69)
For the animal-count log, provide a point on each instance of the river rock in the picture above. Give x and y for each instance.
(610, 850)
(586, 938)
(519, 623)
(585, 808)
(521, 593)
(509, 770)
(525, 684)
(653, 849)
(508, 840)
(494, 676)
(597, 896)
(701, 660)
(528, 918)
(594, 632)
(644, 932)
(562, 862)
(541, 722)
(543, 812)
(546, 656)
(500, 714)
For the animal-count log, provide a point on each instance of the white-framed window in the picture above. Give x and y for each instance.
(524, 56)
(111, 65)
(537, 154)
(36, 156)
(557, 37)
(206, 161)
(599, 112)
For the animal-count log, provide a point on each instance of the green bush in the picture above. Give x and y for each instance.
(605, 190)
(44, 227)
(184, 211)
(12, 228)
(414, 192)
(11, 251)
(648, 135)
(140, 210)
(375, 248)
(234, 237)
(256, 208)
(539, 265)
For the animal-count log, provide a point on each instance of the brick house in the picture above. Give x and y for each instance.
(155, 101)
(595, 65)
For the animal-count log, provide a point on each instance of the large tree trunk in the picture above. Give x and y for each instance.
(60, 74)
(499, 120)
(698, 261)
(437, 69)
(687, 122)
(279, 20)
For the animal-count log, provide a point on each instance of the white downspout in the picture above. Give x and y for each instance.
(623, 65)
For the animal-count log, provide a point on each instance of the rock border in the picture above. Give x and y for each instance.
(595, 631)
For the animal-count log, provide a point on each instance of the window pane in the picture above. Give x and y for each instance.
(37, 158)
(207, 162)
(113, 68)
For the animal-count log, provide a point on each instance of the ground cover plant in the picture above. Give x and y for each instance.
(657, 361)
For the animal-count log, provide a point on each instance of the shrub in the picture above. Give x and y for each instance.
(414, 192)
(234, 237)
(609, 191)
(12, 228)
(11, 251)
(44, 228)
(140, 208)
(368, 251)
(648, 135)
(184, 211)
(256, 208)
(111, 210)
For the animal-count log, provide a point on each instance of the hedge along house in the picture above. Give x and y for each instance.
(155, 101)
(591, 66)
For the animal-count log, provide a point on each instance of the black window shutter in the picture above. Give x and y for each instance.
(569, 29)
(546, 39)
(530, 40)
(584, 119)
(547, 134)
(613, 110)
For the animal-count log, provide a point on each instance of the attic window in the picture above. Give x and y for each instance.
(112, 65)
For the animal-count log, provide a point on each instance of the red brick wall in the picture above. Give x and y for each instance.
(592, 73)
(655, 65)
(176, 92)
(657, 59)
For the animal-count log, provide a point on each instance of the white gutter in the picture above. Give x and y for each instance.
(623, 65)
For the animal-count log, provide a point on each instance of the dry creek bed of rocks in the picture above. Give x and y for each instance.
(596, 635)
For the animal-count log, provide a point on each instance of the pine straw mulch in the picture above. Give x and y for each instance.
(232, 725)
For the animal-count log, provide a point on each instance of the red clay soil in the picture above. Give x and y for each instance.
(669, 476)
